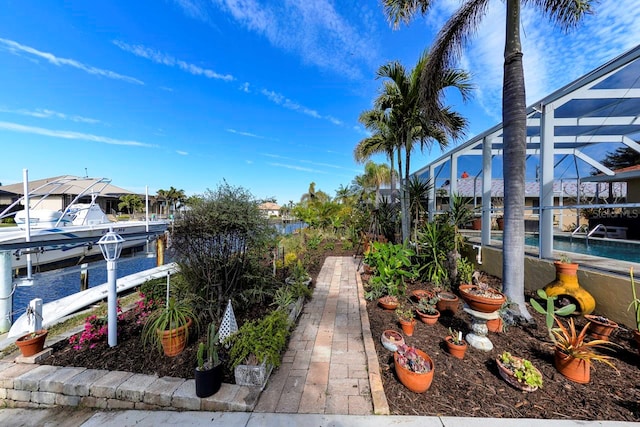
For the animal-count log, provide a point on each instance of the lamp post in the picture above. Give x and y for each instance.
(111, 246)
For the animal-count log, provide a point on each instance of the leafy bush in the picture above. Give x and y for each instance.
(223, 247)
(264, 339)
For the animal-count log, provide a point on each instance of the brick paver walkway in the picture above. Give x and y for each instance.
(324, 370)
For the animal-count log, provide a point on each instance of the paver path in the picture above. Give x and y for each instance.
(324, 370)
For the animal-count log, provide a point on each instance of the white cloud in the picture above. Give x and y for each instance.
(182, 153)
(168, 60)
(17, 48)
(251, 135)
(297, 168)
(314, 30)
(16, 127)
(44, 113)
(278, 98)
(244, 87)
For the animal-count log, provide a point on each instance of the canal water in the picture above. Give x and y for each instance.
(56, 284)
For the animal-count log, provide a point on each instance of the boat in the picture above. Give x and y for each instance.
(48, 237)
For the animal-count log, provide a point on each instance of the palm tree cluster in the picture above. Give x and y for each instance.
(400, 119)
(173, 198)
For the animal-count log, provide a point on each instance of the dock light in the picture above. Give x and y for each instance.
(111, 246)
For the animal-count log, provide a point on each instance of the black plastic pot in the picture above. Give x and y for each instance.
(208, 381)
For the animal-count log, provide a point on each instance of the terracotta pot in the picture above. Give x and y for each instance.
(208, 381)
(481, 303)
(174, 340)
(429, 319)
(476, 224)
(391, 339)
(577, 370)
(448, 302)
(417, 383)
(600, 329)
(408, 326)
(418, 294)
(508, 376)
(29, 345)
(456, 350)
(388, 302)
(495, 325)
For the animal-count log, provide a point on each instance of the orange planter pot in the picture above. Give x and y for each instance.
(388, 302)
(495, 325)
(174, 340)
(418, 383)
(448, 302)
(481, 303)
(600, 328)
(456, 350)
(577, 370)
(429, 319)
(29, 345)
(408, 327)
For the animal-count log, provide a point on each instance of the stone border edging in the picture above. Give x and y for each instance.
(380, 404)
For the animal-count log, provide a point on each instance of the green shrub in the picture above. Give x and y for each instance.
(263, 339)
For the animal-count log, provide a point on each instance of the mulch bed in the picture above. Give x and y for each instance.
(469, 387)
(472, 387)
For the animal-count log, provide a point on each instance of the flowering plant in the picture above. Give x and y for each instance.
(144, 307)
(410, 359)
(95, 329)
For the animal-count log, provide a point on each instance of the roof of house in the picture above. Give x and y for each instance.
(269, 206)
(567, 188)
(74, 186)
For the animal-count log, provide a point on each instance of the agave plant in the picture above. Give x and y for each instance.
(572, 343)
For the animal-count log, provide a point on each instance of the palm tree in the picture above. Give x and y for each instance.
(310, 195)
(411, 123)
(444, 53)
(382, 140)
(130, 202)
(377, 175)
(161, 196)
(175, 198)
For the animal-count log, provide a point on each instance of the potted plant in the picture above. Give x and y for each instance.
(255, 348)
(636, 306)
(32, 343)
(407, 322)
(482, 297)
(518, 372)
(455, 344)
(392, 265)
(391, 340)
(388, 302)
(414, 368)
(573, 355)
(427, 311)
(600, 327)
(167, 328)
(208, 373)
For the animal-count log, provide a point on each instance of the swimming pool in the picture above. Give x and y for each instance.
(619, 250)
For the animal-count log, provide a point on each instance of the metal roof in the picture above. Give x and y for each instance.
(601, 107)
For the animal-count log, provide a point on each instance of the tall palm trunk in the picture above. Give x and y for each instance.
(514, 119)
(403, 201)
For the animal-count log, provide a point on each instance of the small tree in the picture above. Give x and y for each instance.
(220, 244)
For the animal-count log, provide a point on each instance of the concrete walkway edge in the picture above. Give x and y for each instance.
(380, 404)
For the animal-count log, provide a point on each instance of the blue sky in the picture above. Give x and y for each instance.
(263, 94)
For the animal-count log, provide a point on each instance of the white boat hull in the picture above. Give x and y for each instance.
(50, 246)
